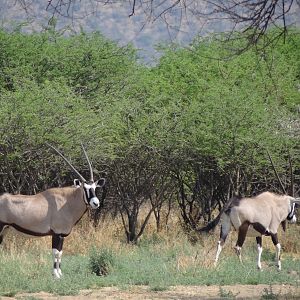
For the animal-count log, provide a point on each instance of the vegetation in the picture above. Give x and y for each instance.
(157, 262)
(101, 262)
(180, 137)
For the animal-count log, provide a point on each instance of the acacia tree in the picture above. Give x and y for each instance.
(46, 98)
(135, 178)
(227, 115)
(161, 199)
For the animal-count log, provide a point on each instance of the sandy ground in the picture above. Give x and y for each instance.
(178, 292)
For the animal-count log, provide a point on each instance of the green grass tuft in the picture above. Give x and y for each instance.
(101, 261)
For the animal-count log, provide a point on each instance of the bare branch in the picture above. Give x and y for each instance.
(133, 9)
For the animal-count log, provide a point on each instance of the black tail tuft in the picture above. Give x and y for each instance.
(233, 201)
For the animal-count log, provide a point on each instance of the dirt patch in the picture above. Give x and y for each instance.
(178, 292)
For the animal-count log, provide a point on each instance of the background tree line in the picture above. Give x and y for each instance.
(252, 17)
(183, 135)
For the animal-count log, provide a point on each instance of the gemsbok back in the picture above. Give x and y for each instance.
(53, 212)
(257, 216)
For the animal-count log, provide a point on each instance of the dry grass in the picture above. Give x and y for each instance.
(110, 234)
(81, 239)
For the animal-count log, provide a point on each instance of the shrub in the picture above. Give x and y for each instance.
(101, 261)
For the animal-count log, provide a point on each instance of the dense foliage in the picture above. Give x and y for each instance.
(191, 131)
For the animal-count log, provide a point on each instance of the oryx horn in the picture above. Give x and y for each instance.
(89, 163)
(67, 161)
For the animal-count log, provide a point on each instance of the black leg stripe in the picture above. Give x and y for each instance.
(274, 239)
(259, 228)
(57, 242)
(259, 240)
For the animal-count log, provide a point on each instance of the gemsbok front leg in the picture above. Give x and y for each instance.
(57, 245)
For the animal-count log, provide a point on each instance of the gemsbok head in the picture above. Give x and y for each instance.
(257, 216)
(52, 212)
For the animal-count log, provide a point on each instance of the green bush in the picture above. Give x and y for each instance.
(101, 261)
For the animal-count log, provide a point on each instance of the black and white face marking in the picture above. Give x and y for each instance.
(291, 216)
(90, 195)
(89, 188)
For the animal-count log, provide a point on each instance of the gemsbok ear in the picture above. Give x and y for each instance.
(100, 182)
(77, 183)
(296, 201)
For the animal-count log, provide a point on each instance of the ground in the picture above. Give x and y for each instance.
(260, 291)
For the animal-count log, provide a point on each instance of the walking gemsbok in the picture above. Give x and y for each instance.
(257, 216)
(52, 212)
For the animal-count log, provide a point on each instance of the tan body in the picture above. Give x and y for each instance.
(267, 209)
(257, 216)
(55, 210)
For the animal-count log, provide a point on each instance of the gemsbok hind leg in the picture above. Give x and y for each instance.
(225, 229)
(57, 245)
(259, 250)
(241, 239)
(278, 248)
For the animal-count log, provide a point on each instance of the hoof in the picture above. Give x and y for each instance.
(56, 274)
(279, 266)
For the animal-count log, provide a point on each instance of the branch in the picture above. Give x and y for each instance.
(133, 9)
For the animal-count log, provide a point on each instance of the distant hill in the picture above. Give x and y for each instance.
(114, 22)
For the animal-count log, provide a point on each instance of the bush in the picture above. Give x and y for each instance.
(101, 261)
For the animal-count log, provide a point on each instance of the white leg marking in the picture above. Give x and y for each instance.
(56, 263)
(259, 249)
(59, 263)
(278, 248)
(238, 252)
(218, 252)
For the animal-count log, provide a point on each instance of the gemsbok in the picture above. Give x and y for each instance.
(257, 216)
(52, 212)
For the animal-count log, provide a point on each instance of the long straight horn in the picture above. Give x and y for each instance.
(275, 171)
(67, 161)
(90, 166)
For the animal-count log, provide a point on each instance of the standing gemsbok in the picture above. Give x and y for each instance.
(52, 212)
(257, 216)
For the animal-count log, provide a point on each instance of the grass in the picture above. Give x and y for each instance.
(226, 294)
(158, 262)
